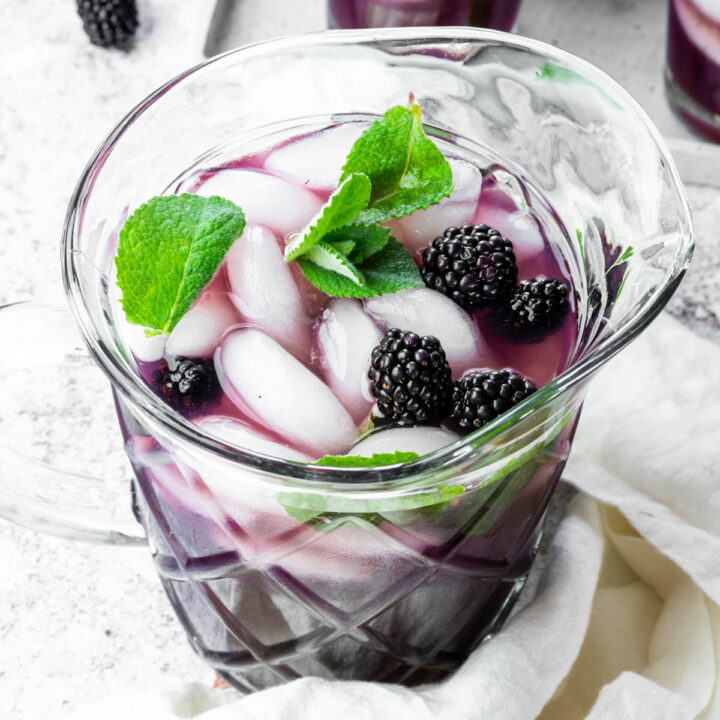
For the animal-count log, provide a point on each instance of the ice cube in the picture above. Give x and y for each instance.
(316, 160)
(276, 389)
(422, 440)
(467, 181)
(346, 336)
(265, 199)
(520, 227)
(699, 18)
(200, 329)
(419, 229)
(145, 349)
(428, 312)
(710, 7)
(243, 436)
(264, 291)
(499, 211)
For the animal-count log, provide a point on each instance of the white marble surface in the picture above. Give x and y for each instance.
(76, 620)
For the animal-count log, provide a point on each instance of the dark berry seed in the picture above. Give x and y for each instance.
(411, 340)
(397, 373)
(482, 395)
(411, 383)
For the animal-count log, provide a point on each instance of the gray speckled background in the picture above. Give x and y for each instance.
(78, 620)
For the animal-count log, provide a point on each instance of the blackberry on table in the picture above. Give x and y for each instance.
(473, 265)
(187, 384)
(535, 309)
(109, 23)
(411, 378)
(482, 395)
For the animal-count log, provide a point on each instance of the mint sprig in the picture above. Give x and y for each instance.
(344, 204)
(393, 169)
(374, 460)
(405, 167)
(306, 507)
(390, 270)
(168, 251)
(330, 258)
(365, 240)
(311, 508)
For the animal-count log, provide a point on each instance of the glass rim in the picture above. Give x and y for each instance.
(389, 477)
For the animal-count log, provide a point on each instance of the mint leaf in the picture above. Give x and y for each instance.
(391, 270)
(168, 251)
(344, 246)
(375, 460)
(366, 240)
(344, 204)
(329, 258)
(305, 507)
(405, 168)
(331, 283)
(387, 271)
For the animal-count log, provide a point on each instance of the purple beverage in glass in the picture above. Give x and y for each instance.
(693, 63)
(274, 588)
(281, 568)
(352, 14)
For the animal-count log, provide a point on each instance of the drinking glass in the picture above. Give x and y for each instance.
(692, 72)
(279, 570)
(354, 14)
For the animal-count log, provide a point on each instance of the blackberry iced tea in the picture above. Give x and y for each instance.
(276, 585)
(693, 63)
(494, 14)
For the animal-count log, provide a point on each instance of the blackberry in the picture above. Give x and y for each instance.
(109, 23)
(411, 379)
(482, 395)
(535, 309)
(186, 384)
(473, 265)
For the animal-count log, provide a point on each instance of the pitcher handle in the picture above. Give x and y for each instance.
(32, 493)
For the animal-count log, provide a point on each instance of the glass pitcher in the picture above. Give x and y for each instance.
(279, 570)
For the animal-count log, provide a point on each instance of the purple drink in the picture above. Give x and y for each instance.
(276, 585)
(693, 63)
(352, 14)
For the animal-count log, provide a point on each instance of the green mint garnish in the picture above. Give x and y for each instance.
(366, 240)
(330, 259)
(405, 167)
(393, 169)
(344, 204)
(305, 507)
(390, 270)
(168, 251)
(375, 460)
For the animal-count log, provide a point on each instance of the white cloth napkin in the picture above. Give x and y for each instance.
(626, 621)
